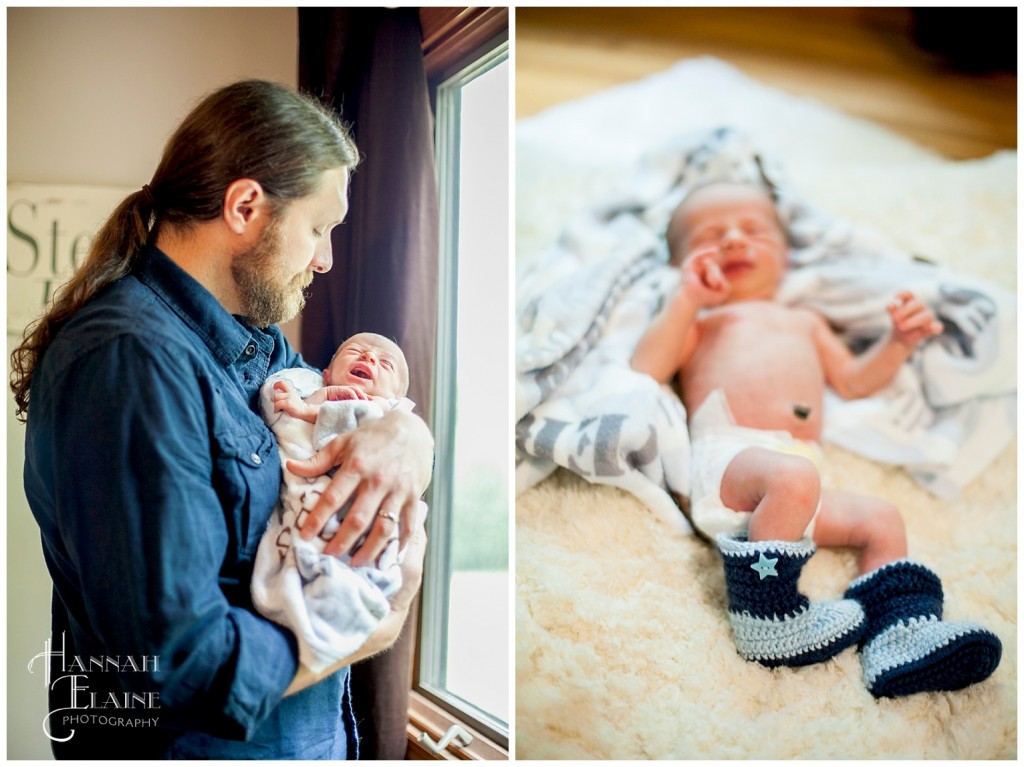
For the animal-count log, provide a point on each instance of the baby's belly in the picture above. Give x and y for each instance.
(764, 358)
(771, 400)
(797, 411)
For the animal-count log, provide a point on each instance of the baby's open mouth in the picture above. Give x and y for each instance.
(361, 371)
(736, 267)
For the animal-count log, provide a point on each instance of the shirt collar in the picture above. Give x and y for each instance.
(225, 335)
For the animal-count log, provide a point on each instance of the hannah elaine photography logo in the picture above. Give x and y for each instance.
(69, 676)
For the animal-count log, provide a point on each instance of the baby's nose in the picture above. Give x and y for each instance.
(734, 238)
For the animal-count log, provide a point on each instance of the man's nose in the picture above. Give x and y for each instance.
(323, 260)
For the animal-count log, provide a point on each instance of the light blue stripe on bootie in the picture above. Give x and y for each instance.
(908, 647)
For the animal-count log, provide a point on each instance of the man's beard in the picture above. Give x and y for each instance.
(269, 296)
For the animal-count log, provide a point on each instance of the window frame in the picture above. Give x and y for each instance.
(464, 42)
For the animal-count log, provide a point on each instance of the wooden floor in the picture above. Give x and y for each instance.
(859, 60)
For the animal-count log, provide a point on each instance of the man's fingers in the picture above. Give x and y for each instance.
(357, 520)
(410, 519)
(333, 498)
(317, 464)
(385, 529)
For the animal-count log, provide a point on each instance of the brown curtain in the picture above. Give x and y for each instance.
(368, 64)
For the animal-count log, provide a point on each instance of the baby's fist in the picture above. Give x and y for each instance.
(912, 320)
(703, 280)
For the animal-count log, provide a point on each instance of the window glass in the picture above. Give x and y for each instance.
(464, 644)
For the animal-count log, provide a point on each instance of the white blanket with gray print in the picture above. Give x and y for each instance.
(585, 304)
(330, 606)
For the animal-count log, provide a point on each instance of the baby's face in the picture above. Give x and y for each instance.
(372, 364)
(738, 223)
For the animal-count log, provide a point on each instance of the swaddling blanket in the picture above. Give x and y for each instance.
(585, 304)
(330, 606)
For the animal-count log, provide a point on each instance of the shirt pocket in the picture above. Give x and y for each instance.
(247, 478)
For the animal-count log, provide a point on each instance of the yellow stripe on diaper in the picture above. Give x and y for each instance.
(808, 450)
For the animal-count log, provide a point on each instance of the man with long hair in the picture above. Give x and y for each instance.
(151, 473)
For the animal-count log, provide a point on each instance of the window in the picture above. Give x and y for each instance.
(463, 658)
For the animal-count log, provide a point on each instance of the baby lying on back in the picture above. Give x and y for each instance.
(753, 374)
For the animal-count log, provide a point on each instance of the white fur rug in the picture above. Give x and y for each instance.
(623, 646)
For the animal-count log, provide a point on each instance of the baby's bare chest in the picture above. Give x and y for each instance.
(758, 322)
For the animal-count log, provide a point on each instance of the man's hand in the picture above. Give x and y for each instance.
(912, 320)
(383, 468)
(412, 571)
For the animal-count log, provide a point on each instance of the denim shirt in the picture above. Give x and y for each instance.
(152, 476)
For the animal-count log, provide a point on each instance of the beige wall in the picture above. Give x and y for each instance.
(92, 95)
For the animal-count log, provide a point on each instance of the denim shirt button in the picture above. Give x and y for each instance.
(250, 350)
(256, 459)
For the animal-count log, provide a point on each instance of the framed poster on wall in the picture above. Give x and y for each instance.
(49, 230)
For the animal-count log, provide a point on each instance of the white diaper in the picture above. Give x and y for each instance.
(715, 440)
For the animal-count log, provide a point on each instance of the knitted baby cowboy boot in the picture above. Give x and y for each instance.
(907, 647)
(772, 622)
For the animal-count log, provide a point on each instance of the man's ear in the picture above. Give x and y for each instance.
(245, 204)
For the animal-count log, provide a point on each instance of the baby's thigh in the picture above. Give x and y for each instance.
(854, 520)
(757, 472)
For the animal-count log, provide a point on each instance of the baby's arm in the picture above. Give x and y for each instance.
(861, 376)
(672, 336)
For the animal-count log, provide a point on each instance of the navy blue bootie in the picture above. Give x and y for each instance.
(907, 647)
(772, 622)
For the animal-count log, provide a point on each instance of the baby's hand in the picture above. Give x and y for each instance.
(335, 393)
(283, 394)
(912, 320)
(703, 280)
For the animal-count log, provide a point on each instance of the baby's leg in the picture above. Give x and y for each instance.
(871, 525)
(773, 623)
(781, 490)
(907, 647)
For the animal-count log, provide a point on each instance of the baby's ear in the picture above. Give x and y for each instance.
(327, 376)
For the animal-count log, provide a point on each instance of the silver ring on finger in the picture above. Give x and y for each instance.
(388, 515)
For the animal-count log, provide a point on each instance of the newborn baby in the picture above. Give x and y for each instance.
(330, 606)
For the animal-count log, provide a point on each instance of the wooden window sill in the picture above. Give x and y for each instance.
(427, 718)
